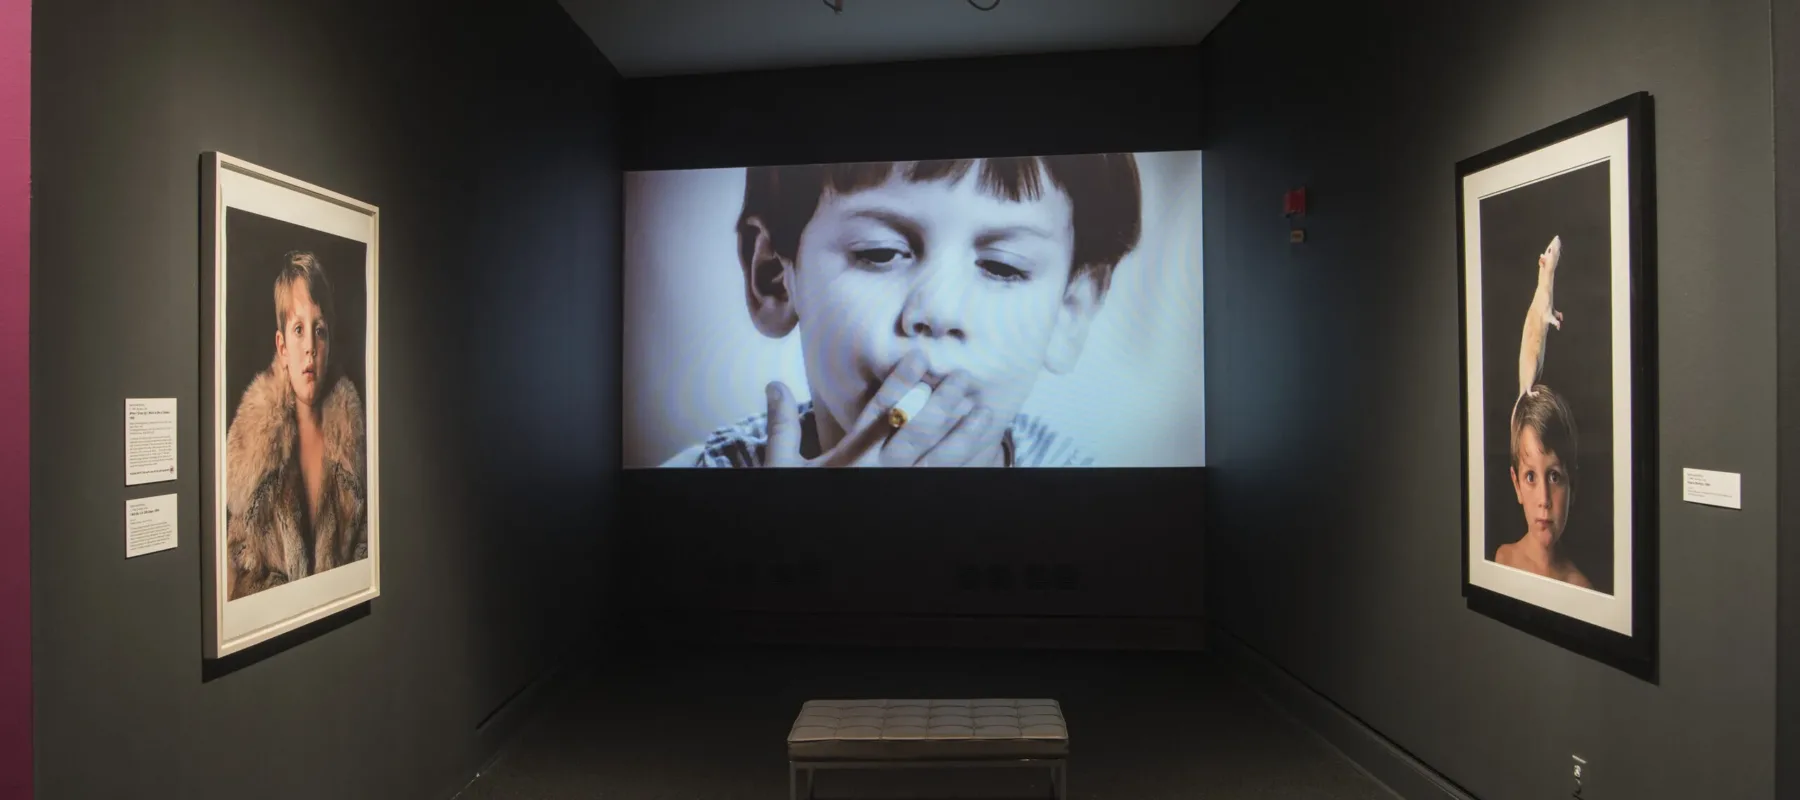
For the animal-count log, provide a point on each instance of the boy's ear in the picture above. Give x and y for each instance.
(280, 345)
(768, 280)
(1083, 297)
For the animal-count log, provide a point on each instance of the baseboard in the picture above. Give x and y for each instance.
(900, 630)
(504, 718)
(496, 733)
(1376, 755)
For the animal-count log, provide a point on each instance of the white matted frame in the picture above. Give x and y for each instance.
(1617, 628)
(233, 625)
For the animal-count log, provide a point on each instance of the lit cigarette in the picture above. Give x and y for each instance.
(909, 405)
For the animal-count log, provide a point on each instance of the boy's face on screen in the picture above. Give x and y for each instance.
(973, 281)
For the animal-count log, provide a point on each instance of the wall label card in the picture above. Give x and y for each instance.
(150, 525)
(149, 440)
(1704, 486)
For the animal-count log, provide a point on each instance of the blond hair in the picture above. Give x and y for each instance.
(296, 266)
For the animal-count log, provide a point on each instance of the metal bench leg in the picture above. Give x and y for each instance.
(1062, 780)
(796, 775)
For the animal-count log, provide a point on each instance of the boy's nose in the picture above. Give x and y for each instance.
(934, 309)
(933, 324)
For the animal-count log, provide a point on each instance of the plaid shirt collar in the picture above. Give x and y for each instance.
(745, 443)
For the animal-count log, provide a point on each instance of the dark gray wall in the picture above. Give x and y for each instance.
(1787, 182)
(1333, 377)
(1078, 102)
(1097, 556)
(486, 132)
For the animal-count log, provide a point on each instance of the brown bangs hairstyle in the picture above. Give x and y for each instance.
(1105, 195)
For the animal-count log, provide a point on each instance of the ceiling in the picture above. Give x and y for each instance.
(645, 38)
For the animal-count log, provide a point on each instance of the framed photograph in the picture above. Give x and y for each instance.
(1555, 248)
(291, 434)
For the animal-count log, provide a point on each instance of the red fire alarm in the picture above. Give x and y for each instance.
(1295, 203)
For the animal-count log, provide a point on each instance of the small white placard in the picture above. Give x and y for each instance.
(149, 440)
(150, 525)
(1712, 488)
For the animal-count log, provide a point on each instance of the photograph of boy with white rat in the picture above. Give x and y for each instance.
(1548, 338)
(1544, 443)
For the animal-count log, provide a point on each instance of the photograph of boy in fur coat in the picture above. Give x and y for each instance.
(295, 453)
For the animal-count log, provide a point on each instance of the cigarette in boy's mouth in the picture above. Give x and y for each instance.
(909, 405)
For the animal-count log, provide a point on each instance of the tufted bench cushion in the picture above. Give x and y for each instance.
(914, 730)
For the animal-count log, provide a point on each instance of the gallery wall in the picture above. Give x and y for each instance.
(1334, 421)
(1786, 35)
(15, 408)
(1109, 556)
(487, 135)
(1078, 102)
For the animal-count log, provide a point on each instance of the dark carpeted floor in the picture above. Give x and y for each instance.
(711, 725)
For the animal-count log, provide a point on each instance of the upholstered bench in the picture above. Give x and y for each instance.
(880, 734)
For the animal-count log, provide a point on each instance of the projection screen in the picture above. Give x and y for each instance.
(1002, 312)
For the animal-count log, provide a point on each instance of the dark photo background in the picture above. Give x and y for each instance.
(1516, 227)
(254, 246)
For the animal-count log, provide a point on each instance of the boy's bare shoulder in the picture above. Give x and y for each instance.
(1507, 555)
(1572, 574)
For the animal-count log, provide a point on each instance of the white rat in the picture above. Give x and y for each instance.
(1539, 319)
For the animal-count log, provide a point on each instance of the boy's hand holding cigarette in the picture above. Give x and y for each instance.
(909, 423)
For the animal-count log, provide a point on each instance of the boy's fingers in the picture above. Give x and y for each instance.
(941, 414)
(784, 428)
(905, 376)
(854, 445)
(963, 443)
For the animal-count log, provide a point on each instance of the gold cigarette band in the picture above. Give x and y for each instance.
(912, 403)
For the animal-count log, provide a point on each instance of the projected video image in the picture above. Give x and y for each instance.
(1004, 312)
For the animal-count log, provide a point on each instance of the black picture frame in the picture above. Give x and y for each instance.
(1633, 649)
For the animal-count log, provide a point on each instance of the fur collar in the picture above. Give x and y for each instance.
(264, 433)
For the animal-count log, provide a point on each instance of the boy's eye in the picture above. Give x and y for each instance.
(879, 256)
(1001, 270)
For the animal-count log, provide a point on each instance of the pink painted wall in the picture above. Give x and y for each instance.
(15, 399)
